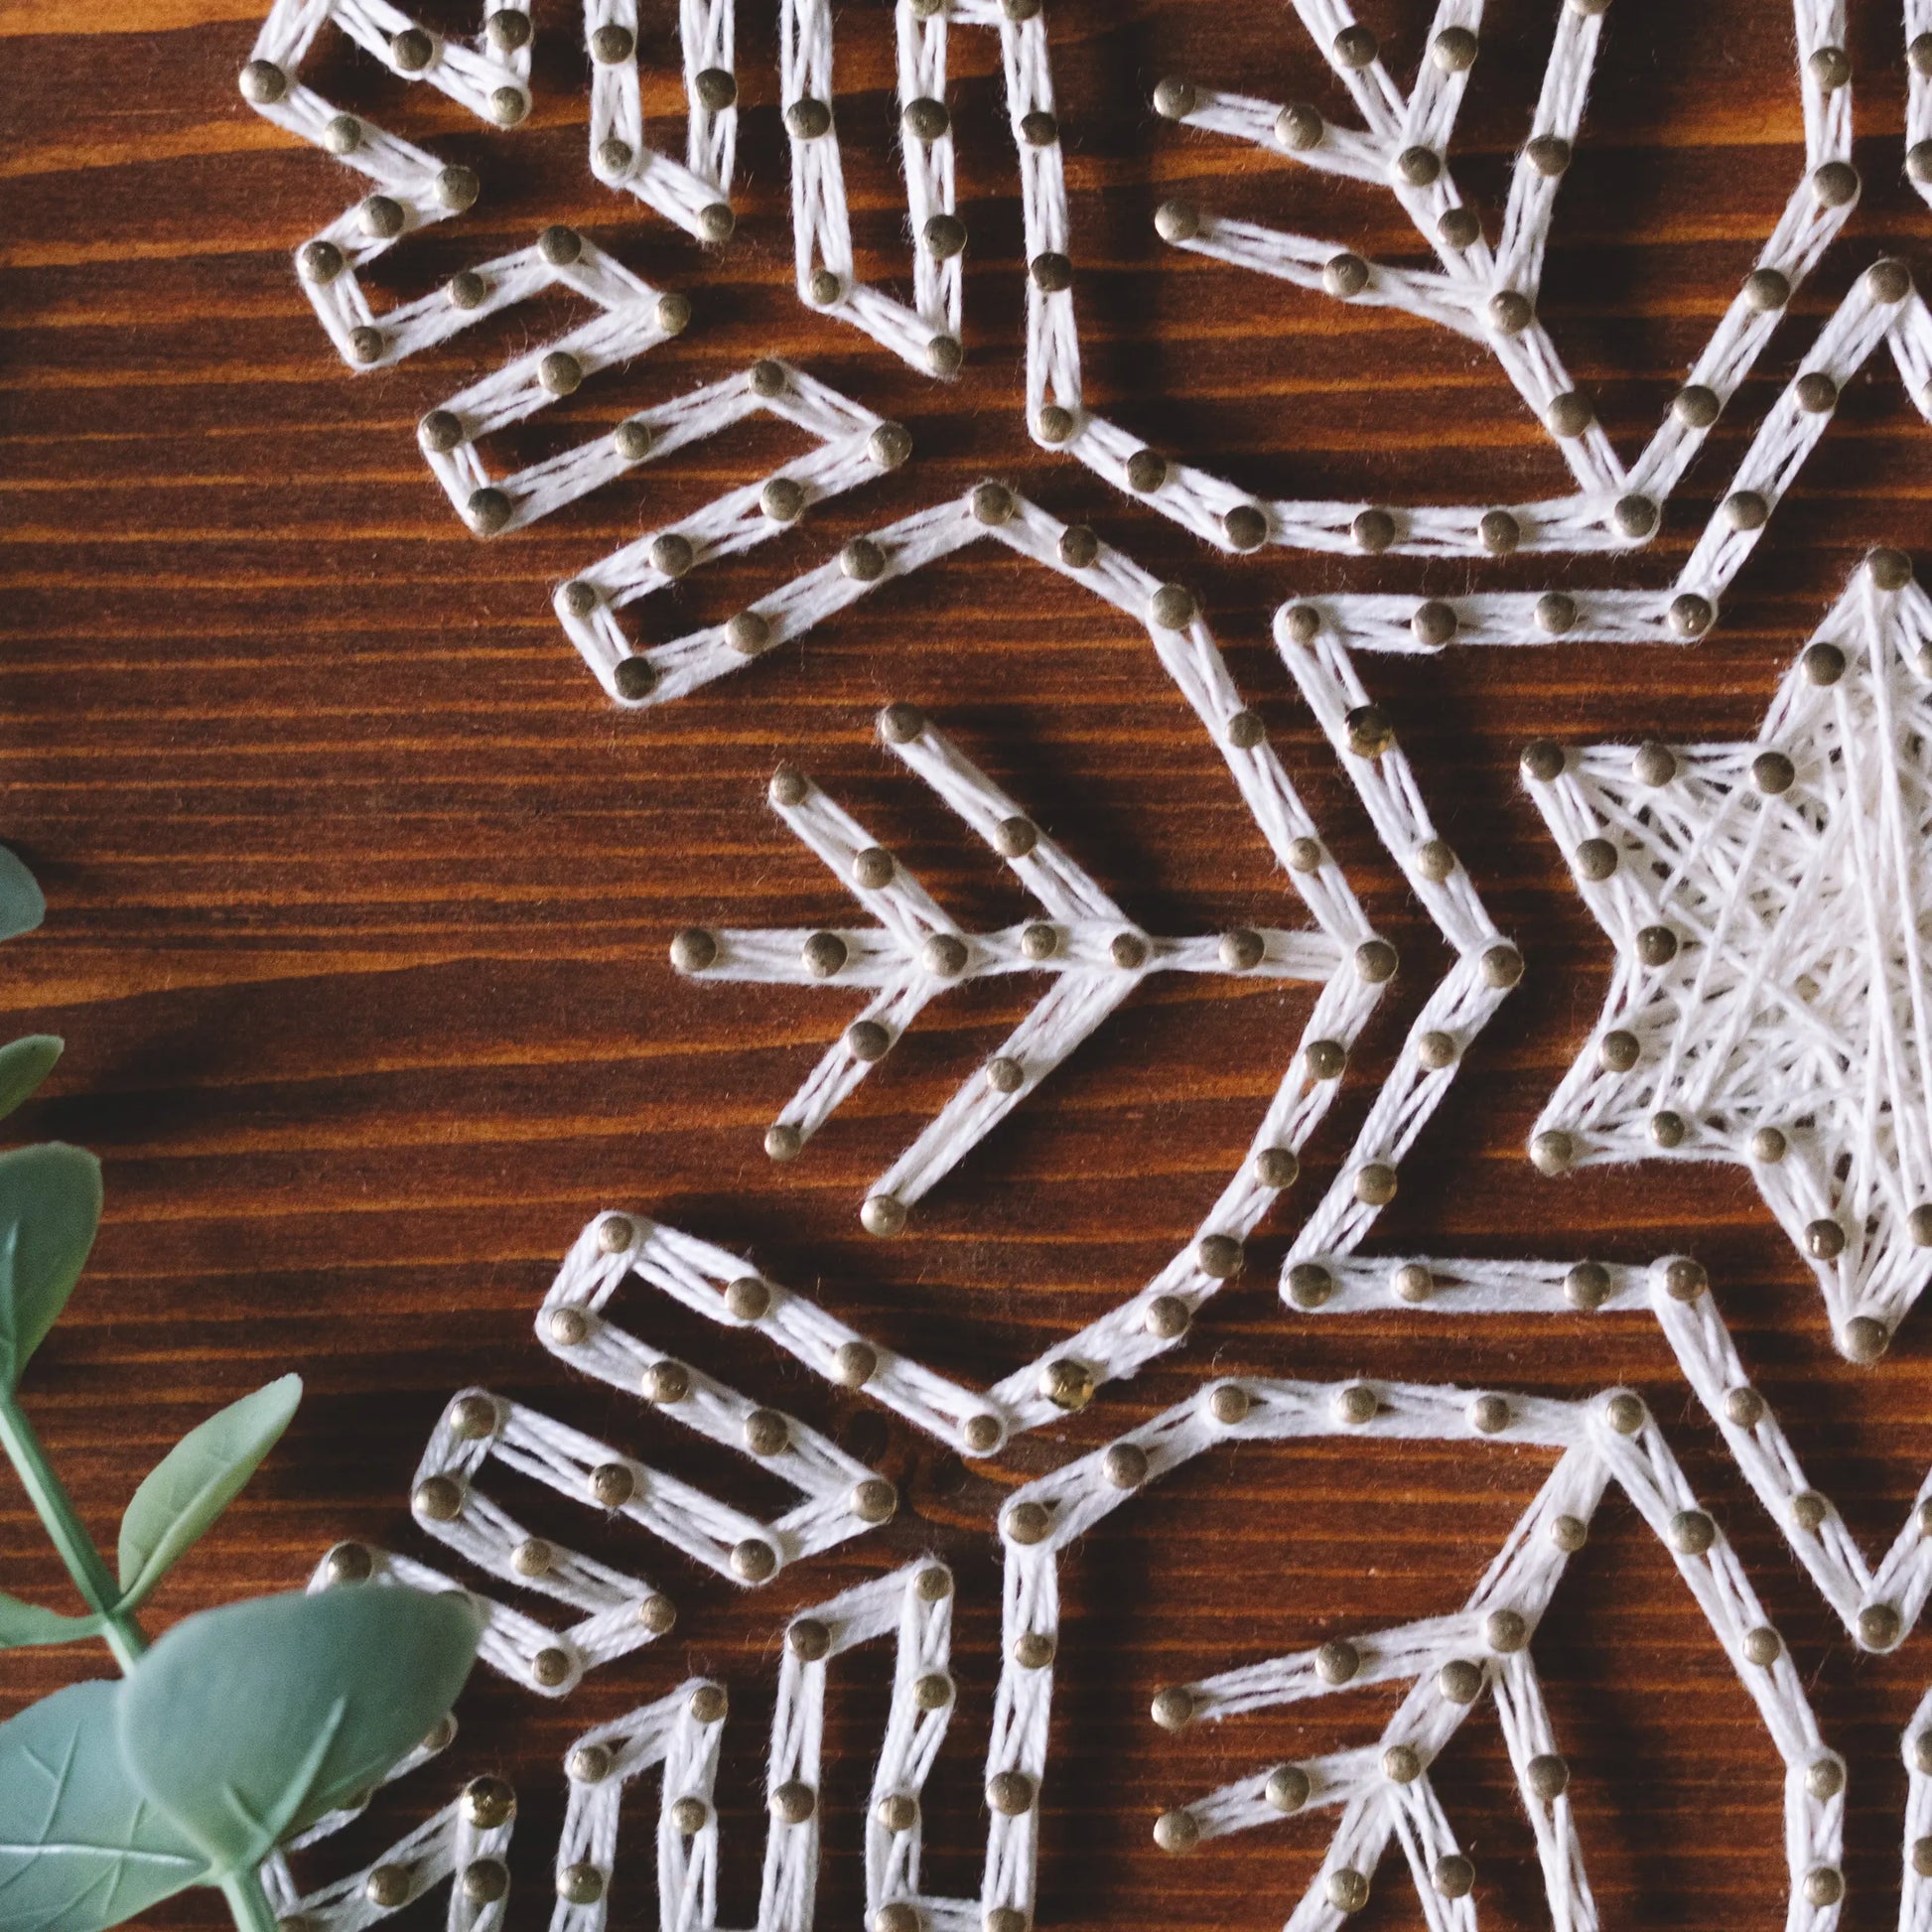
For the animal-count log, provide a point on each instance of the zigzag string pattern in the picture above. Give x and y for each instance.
(1383, 1794)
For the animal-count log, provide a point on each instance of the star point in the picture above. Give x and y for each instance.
(1772, 909)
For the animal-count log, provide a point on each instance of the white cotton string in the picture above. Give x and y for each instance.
(1405, 148)
(1877, 1602)
(1768, 907)
(1380, 1794)
(465, 1843)
(1097, 954)
(1613, 508)
(682, 1732)
(843, 1497)
(490, 76)
(1093, 953)
(1385, 1791)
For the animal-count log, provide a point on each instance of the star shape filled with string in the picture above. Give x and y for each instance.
(1771, 906)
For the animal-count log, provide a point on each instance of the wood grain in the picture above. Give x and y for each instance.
(360, 896)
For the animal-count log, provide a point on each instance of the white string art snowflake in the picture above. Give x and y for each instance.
(1488, 294)
(1879, 1603)
(1346, 955)
(489, 74)
(1772, 915)
(465, 1843)
(1092, 951)
(1785, 1026)
(1383, 1793)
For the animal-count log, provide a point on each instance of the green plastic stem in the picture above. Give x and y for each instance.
(70, 1536)
(248, 1903)
(246, 1900)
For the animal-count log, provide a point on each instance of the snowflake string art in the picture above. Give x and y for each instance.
(1879, 1603)
(1093, 952)
(1346, 956)
(1384, 1792)
(1489, 296)
(1781, 1025)
(679, 1737)
(1343, 954)
(1772, 913)
(1483, 293)
(465, 1843)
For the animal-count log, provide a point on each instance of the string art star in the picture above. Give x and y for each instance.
(1771, 906)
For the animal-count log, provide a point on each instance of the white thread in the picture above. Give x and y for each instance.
(1147, 1326)
(1486, 968)
(1879, 1603)
(679, 1737)
(1881, 310)
(1615, 508)
(1472, 288)
(842, 1498)
(490, 76)
(1918, 21)
(1769, 903)
(1595, 1451)
(915, 1605)
(1381, 1798)
(1094, 953)
(856, 447)
(636, 318)
(467, 1841)
(446, 1847)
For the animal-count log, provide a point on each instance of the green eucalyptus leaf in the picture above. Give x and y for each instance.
(247, 1723)
(50, 1207)
(81, 1848)
(22, 908)
(197, 1480)
(24, 1065)
(24, 1623)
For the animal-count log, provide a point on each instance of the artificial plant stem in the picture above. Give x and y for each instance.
(70, 1536)
(248, 1903)
(55, 1507)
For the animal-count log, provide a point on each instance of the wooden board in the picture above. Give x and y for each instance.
(360, 896)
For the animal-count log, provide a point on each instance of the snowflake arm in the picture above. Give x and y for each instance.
(1877, 1602)
(1384, 1792)
(1095, 954)
(1492, 296)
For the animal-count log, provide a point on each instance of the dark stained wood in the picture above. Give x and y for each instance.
(360, 897)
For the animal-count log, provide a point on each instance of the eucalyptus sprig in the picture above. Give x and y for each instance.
(242, 1726)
